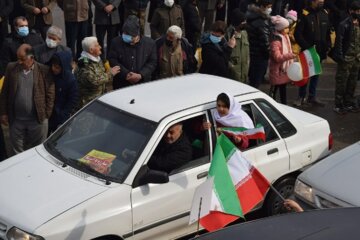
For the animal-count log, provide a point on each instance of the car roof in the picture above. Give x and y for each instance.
(326, 224)
(157, 99)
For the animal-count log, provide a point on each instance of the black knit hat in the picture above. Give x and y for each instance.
(237, 17)
(131, 26)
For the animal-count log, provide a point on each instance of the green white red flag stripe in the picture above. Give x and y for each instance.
(254, 133)
(310, 62)
(237, 186)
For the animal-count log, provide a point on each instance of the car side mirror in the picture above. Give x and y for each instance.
(147, 175)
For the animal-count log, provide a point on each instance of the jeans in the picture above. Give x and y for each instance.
(75, 33)
(312, 87)
(257, 71)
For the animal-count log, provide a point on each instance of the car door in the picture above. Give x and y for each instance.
(161, 211)
(271, 157)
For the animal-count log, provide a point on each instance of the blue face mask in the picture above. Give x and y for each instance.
(126, 38)
(23, 31)
(214, 39)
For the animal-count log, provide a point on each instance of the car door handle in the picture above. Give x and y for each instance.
(272, 151)
(202, 175)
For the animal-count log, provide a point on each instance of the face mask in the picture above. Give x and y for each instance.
(23, 31)
(215, 39)
(126, 38)
(268, 11)
(169, 3)
(51, 43)
(169, 43)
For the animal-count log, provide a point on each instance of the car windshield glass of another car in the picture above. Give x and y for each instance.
(102, 141)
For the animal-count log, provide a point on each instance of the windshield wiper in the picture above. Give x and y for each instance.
(87, 168)
(57, 154)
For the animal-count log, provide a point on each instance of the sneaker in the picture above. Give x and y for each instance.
(340, 110)
(299, 102)
(352, 108)
(315, 102)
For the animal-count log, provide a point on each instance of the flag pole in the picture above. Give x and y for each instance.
(277, 192)
(198, 222)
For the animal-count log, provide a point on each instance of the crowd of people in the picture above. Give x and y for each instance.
(45, 82)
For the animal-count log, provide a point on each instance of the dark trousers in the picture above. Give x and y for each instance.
(75, 33)
(41, 27)
(110, 31)
(313, 82)
(4, 31)
(257, 71)
(3, 154)
(220, 13)
(206, 15)
(282, 90)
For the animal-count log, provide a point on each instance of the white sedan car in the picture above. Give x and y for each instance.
(66, 189)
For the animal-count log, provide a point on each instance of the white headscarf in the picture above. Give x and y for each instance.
(236, 116)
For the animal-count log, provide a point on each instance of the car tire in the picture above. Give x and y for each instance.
(274, 204)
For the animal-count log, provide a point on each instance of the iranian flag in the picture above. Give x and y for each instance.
(236, 188)
(310, 63)
(254, 133)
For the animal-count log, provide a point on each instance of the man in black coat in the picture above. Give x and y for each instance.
(313, 29)
(258, 29)
(173, 151)
(11, 44)
(135, 54)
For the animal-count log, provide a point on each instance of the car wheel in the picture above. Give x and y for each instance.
(274, 204)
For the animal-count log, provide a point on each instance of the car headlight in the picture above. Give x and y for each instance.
(304, 191)
(16, 234)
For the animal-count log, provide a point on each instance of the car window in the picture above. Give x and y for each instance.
(284, 127)
(258, 118)
(197, 140)
(102, 141)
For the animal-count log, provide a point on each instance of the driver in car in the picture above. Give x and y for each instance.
(173, 151)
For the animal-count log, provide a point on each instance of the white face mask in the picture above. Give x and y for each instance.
(268, 11)
(169, 3)
(51, 43)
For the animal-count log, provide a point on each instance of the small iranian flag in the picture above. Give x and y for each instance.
(310, 63)
(254, 133)
(236, 188)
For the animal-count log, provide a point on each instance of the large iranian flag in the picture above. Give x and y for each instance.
(236, 189)
(310, 63)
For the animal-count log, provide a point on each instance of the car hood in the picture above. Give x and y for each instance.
(301, 116)
(33, 190)
(337, 175)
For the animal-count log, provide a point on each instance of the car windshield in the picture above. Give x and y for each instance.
(102, 141)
